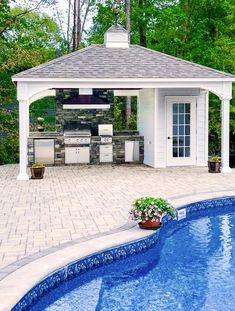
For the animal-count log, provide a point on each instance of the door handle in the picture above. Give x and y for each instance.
(168, 137)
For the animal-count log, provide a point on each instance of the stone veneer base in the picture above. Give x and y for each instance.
(110, 255)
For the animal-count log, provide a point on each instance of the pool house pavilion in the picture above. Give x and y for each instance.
(172, 99)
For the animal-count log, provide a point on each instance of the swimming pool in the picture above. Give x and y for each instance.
(191, 267)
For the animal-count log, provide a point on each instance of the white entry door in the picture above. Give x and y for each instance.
(181, 130)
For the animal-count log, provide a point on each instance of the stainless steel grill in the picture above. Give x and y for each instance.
(77, 137)
(77, 133)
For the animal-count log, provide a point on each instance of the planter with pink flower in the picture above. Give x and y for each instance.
(148, 211)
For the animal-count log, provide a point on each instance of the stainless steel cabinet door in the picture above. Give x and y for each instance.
(44, 151)
(83, 155)
(75, 155)
(70, 155)
(131, 151)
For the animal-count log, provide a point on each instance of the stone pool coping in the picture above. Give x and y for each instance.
(14, 286)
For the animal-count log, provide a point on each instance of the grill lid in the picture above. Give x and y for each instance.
(78, 132)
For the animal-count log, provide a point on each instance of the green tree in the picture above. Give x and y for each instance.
(30, 39)
(34, 39)
(199, 31)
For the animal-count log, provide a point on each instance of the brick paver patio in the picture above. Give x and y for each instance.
(74, 202)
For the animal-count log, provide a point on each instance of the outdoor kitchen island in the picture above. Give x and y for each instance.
(126, 147)
(84, 132)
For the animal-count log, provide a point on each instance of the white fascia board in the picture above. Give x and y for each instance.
(25, 90)
(90, 106)
(22, 79)
(126, 92)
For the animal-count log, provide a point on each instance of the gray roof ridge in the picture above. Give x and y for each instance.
(54, 61)
(186, 61)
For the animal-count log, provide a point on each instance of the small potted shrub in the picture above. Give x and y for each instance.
(40, 126)
(37, 171)
(214, 164)
(148, 211)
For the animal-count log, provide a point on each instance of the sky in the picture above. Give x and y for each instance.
(59, 12)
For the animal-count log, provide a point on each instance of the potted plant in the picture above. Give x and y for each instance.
(37, 171)
(148, 211)
(40, 126)
(214, 164)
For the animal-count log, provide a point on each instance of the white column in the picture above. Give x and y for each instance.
(225, 110)
(27, 119)
(23, 139)
(202, 128)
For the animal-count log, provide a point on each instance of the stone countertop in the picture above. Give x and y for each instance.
(44, 135)
(120, 136)
(124, 135)
(127, 136)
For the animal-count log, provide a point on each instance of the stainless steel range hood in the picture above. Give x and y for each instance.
(85, 102)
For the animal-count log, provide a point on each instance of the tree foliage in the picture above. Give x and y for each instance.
(27, 39)
(198, 31)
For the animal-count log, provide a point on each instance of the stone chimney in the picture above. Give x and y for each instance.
(117, 37)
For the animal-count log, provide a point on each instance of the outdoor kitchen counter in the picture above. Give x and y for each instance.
(118, 143)
(44, 134)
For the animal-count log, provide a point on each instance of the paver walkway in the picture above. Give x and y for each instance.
(74, 202)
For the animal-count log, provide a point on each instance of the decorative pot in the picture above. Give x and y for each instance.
(40, 128)
(150, 225)
(37, 173)
(214, 166)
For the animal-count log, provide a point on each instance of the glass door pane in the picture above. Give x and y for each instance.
(181, 121)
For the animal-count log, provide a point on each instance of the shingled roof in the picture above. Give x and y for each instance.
(98, 61)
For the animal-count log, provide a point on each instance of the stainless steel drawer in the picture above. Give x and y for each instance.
(106, 157)
(106, 149)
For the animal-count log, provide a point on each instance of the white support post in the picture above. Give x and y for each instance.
(23, 139)
(28, 104)
(225, 109)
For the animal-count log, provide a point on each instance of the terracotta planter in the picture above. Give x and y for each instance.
(214, 166)
(37, 173)
(150, 225)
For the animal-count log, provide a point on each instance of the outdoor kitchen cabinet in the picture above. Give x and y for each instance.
(76, 155)
(106, 153)
(44, 151)
(132, 151)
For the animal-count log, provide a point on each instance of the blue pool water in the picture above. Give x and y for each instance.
(191, 268)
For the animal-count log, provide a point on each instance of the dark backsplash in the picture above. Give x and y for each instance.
(72, 119)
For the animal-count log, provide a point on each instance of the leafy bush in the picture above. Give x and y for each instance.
(9, 139)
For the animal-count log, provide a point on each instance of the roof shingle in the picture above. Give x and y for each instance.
(97, 61)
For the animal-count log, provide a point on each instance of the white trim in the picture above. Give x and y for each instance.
(155, 129)
(170, 161)
(91, 106)
(86, 91)
(26, 90)
(42, 94)
(23, 139)
(126, 92)
(225, 116)
(206, 125)
(22, 79)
